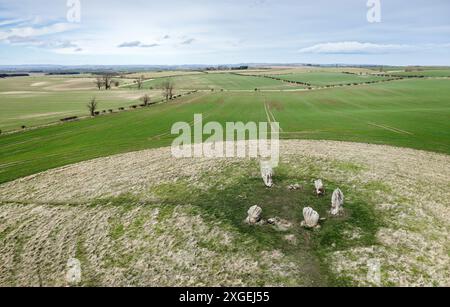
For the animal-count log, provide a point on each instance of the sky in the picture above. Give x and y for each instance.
(176, 32)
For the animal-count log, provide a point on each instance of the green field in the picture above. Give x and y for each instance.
(96, 210)
(39, 100)
(219, 81)
(32, 101)
(327, 78)
(426, 73)
(408, 113)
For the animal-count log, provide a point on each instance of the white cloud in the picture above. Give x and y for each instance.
(355, 48)
(32, 33)
(9, 22)
(135, 44)
(51, 44)
(27, 32)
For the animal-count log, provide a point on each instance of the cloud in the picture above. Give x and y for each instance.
(29, 31)
(9, 22)
(136, 44)
(355, 48)
(188, 41)
(36, 42)
(35, 35)
(149, 45)
(130, 44)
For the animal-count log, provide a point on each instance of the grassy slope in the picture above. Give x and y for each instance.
(39, 100)
(220, 81)
(327, 78)
(42, 108)
(221, 199)
(419, 108)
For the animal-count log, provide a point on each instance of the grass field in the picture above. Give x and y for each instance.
(36, 83)
(305, 69)
(219, 81)
(426, 73)
(408, 113)
(145, 218)
(148, 219)
(161, 74)
(39, 100)
(328, 78)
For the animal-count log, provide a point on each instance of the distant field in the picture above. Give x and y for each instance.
(328, 78)
(161, 74)
(305, 69)
(218, 81)
(32, 101)
(408, 113)
(47, 83)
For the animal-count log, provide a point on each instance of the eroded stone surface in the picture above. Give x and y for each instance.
(337, 202)
(311, 218)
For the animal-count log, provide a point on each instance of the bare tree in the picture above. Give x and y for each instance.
(168, 87)
(146, 100)
(171, 90)
(139, 82)
(99, 83)
(92, 106)
(107, 81)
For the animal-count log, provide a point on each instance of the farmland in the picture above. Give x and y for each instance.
(425, 73)
(107, 191)
(38, 100)
(407, 113)
(328, 78)
(221, 81)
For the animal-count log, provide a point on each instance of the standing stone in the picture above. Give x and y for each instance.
(337, 202)
(267, 173)
(311, 218)
(254, 215)
(320, 190)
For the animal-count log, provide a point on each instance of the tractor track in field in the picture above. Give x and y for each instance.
(390, 128)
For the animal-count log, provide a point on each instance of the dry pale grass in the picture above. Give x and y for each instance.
(133, 248)
(411, 188)
(72, 84)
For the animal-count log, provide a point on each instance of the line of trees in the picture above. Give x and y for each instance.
(167, 87)
(105, 81)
